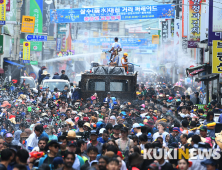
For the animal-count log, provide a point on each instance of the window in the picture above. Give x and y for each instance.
(114, 27)
(95, 85)
(99, 86)
(116, 86)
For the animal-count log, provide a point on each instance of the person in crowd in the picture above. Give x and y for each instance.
(56, 76)
(32, 140)
(6, 158)
(53, 147)
(63, 76)
(94, 142)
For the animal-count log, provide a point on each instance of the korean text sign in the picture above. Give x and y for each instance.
(194, 20)
(2, 10)
(217, 57)
(28, 24)
(104, 14)
(26, 52)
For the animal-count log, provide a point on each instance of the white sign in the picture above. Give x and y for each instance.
(217, 17)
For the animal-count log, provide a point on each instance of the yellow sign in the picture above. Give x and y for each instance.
(217, 57)
(26, 52)
(155, 39)
(2, 10)
(28, 24)
(105, 26)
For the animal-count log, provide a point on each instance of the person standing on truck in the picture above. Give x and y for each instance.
(40, 74)
(63, 76)
(124, 61)
(116, 48)
(56, 76)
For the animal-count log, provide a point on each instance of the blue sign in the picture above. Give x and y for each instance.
(104, 14)
(36, 38)
(58, 45)
(2, 22)
(126, 43)
(26, 61)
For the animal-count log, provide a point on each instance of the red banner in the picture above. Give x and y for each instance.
(8, 5)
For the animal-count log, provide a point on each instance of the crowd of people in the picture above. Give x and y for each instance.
(50, 131)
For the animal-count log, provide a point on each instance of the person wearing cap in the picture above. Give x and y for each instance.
(173, 135)
(72, 145)
(104, 138)
(137, 129)
(8, 138)
(53, 147)
(124, 143)
(210, 164)
(116, 132)
(63, 76)
(201, 148)
(108, 98)
(124, 61)
(58, 163)
(32, 140)
(94, 142)
(56, 76)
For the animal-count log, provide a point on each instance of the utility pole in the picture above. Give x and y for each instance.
(17, 30)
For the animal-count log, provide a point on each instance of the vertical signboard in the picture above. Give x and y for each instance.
(176, 34)
(185, 18)
(211, 35)
(1, 44)
(194, 20)
(26, 52)
(155, 39)
(8, 5)
(2, 12)
(164, 31)
(28, 24)
(58, 45)
(178, 8)
(217, 57)
(36, 10)
(217, 19)
(47, 26)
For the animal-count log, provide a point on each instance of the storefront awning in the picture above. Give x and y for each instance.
(13, 63)
(208, 77)
(192, 71)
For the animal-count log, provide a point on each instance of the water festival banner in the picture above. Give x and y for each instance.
(104, 14)
(129, 43)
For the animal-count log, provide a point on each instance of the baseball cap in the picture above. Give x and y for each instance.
(176, 129)
(203, 128)
(136, 125)
(85, 119)
(93, 132)
(8, 135)
(72, 143)
(116, 127)
(210, 161)
(57, 160)
(113, 117)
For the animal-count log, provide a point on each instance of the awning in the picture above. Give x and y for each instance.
(13, 63)
(195, 70)
(1, 71)
(208, 77)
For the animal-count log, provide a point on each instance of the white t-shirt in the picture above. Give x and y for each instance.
(116, 45)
